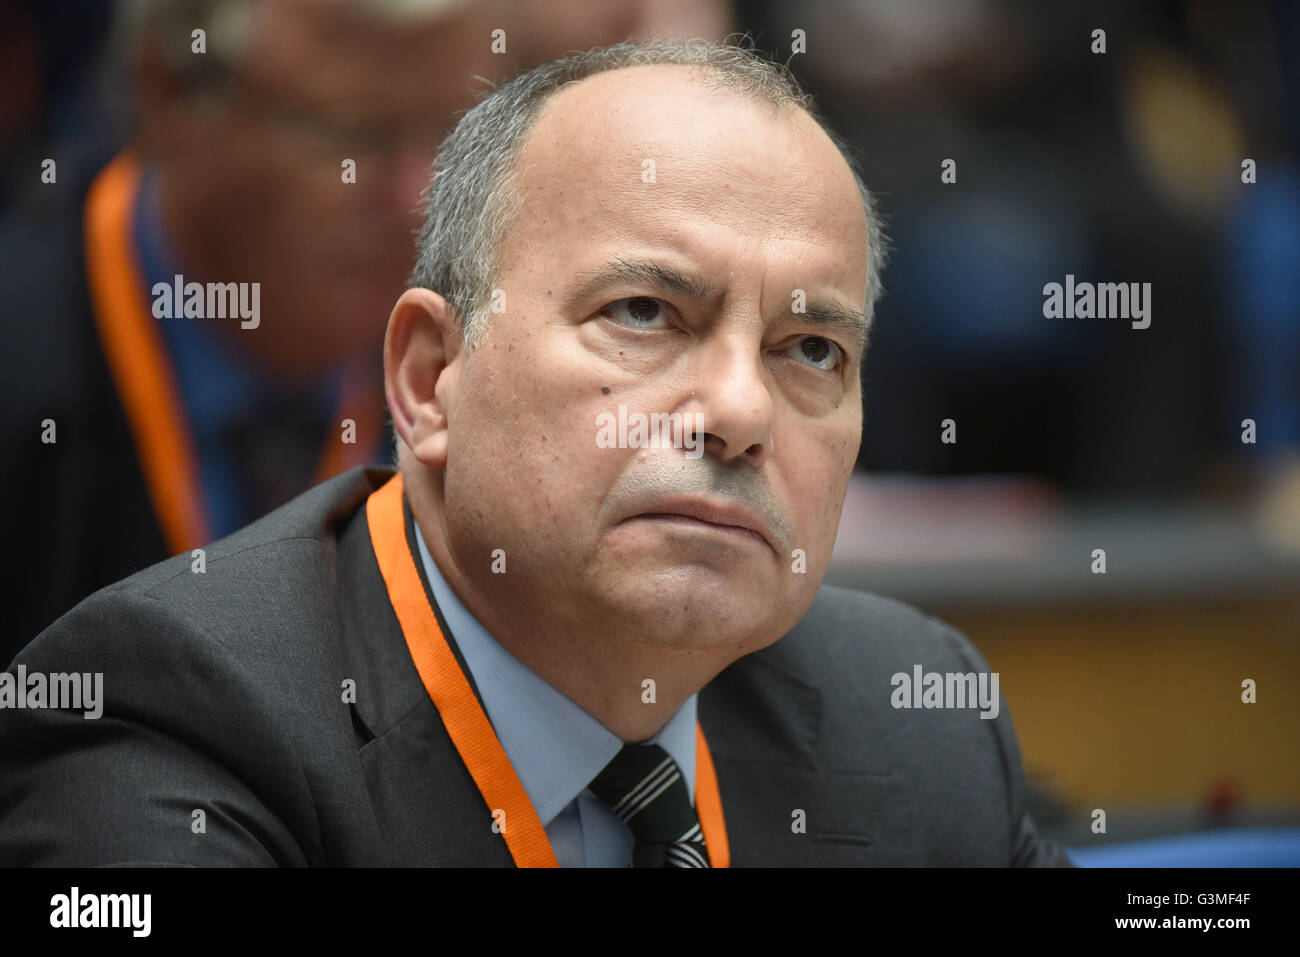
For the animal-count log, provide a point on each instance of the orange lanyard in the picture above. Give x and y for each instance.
(462, 715)
(145, 381)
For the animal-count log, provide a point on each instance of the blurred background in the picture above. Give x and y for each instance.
(1174, 449)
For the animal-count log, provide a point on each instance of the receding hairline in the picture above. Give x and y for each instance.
(706, 76)
(710, 79)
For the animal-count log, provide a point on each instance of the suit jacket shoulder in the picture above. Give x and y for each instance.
(808, 730)
(263, 709)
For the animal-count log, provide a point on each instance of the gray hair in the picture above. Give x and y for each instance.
(472, 197)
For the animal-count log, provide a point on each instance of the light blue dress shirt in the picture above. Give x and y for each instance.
(556, 747)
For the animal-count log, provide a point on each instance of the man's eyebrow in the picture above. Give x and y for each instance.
(833, 314)
(695, 287)
(688, 285)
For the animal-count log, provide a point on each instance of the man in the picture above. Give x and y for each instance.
(534, 645)
(137, 428)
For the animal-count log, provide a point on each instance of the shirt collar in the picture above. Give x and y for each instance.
(555, 746)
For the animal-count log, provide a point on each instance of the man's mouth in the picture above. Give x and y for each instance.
(733, 521)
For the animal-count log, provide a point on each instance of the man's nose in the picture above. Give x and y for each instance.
(733, 399)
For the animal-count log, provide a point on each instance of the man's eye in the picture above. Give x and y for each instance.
(819, 352)
(642, 312)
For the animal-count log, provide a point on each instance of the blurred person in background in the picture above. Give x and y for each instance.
(1122, 165)
(285, 146)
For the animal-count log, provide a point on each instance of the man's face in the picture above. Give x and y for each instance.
(753, 206)
(263, 167)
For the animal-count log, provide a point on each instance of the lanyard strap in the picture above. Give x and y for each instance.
(145, 381)
(136, 356)
(462, 715)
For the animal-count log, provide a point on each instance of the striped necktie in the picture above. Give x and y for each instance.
(644, 787)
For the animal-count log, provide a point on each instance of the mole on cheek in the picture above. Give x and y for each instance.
(604, 390)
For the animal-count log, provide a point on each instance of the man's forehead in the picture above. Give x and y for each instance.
(623, 90)
(656, 105)
(648, 157)
(659, 136)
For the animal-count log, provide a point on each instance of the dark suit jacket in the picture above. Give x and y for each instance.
(223, 693)
(83, 498)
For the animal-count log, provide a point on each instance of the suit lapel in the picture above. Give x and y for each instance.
(426, 805)
(764, 719)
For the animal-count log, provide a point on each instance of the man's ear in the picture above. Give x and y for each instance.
(420, 351)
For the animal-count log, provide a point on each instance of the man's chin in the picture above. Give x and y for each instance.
(698, 610)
